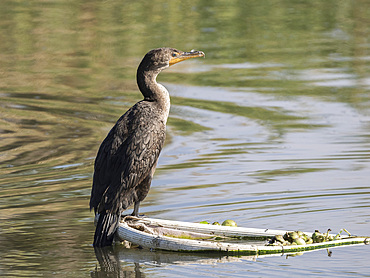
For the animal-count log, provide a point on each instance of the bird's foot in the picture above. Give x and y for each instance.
(137, 215)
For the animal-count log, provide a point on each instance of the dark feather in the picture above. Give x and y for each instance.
(126, 162)
(105, 228)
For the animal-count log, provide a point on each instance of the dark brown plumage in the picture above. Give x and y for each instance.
(128, 156)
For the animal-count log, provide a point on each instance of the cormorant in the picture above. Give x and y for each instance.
(127, 158)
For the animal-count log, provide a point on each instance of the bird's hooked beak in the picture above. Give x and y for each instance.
(185, 55)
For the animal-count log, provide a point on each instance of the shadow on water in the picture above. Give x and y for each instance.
(271, 129)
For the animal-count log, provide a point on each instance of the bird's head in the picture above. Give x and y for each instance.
(161, 58)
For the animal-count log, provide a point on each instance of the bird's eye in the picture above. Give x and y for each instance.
(174, 54)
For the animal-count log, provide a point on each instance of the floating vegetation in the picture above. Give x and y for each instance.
(230, 223)
(203, 222)
(227, 222)
(301, 238)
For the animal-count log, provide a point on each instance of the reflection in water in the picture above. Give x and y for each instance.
(110, 265)
(271, 129)
(119, 261)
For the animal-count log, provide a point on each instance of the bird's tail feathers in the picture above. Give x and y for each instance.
(105, 229)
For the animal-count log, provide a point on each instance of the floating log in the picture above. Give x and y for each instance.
(157, 234)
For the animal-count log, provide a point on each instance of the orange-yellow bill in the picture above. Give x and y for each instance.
(186, 55)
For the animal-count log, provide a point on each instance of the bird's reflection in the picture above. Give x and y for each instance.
(110, 265)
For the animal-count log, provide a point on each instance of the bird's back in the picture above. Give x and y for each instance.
(126, 157)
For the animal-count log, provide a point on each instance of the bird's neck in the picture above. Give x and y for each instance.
(153, 91)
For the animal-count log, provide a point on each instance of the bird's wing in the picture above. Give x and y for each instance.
(126, 157)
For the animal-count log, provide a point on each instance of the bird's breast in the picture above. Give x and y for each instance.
(164, 103)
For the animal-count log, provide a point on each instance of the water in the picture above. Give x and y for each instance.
(271, 129)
